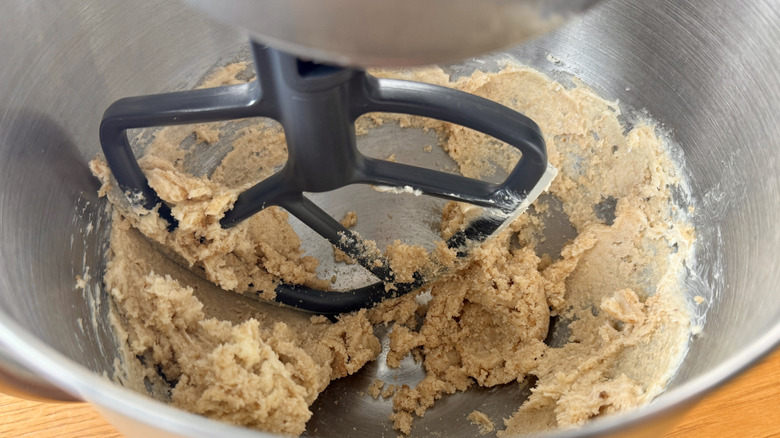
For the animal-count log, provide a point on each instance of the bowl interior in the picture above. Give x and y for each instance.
(710, 81)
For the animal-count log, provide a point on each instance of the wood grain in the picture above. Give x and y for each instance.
(745, 407)
(23, 418)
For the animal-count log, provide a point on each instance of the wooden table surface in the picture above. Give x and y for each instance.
(746, 407)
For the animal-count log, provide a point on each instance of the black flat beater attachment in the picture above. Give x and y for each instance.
(317, 106)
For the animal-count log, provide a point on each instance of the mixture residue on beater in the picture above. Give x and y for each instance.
(616, 284)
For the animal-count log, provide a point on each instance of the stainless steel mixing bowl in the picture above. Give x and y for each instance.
(709, 70)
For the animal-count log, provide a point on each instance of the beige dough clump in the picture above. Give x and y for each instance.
(615, 283)
(483, 421)
(255, 367)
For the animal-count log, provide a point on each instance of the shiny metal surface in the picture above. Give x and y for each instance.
(708, 70)
(393, 33)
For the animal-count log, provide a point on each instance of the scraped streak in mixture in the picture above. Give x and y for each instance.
(616, 284)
